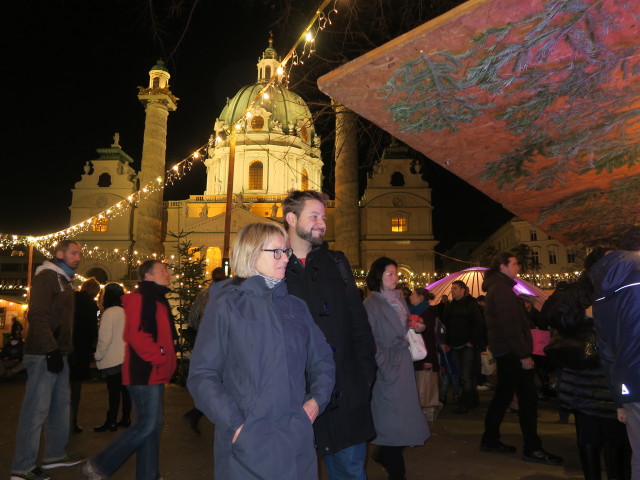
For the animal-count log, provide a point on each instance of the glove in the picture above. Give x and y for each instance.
(55, 364)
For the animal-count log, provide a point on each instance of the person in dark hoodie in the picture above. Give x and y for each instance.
(149, 364)
(616, 312)
(510, 341)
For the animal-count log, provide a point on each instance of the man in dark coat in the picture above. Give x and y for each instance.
(510, 342)
(464, 326)
(616, 311)
(324, 280)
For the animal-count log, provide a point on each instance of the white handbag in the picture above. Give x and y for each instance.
(416, 345)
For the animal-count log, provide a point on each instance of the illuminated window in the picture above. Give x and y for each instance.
(399, 224)
(304, 181)
(255, 176)
(100, 225)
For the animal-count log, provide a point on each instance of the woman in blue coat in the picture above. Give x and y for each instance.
(395, 406)
(261, 369)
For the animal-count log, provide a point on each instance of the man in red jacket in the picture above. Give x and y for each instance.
(149, 363)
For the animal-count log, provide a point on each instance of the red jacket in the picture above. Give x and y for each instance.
(147, 362)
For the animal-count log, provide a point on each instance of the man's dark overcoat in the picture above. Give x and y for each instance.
(327, 285)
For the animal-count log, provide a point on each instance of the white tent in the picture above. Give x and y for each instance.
(473, 278)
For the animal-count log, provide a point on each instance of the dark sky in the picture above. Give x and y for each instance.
(69, 78)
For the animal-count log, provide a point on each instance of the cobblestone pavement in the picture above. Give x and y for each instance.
(451, 453)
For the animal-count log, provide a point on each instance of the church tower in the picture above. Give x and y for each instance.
(158, 102)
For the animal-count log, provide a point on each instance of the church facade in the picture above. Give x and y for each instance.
(276, 149)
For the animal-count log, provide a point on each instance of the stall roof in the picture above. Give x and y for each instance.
(535, 103)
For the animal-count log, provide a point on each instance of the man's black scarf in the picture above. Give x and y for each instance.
(151, 293)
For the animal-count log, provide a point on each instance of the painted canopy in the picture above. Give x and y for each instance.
(534, 102)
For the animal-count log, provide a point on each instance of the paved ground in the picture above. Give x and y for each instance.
(451, 453)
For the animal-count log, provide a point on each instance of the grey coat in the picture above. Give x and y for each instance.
(258, 357)
(397, 415)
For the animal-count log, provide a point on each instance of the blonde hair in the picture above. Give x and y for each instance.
(249, 242)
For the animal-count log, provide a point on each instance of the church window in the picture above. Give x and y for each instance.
(397, 179)
(533, 235)
(267, 72)
(104, 180)
(304, 180)
(156, 82)
(553, 257)
(100, 225)
(399, 224)
(571, 256)
(255, 176)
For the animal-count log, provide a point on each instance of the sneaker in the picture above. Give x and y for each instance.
(540, 456)
(65, 461)
(90, 472)
(35, 474)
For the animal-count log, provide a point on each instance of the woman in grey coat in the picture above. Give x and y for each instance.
(261, 369)
(397, 416)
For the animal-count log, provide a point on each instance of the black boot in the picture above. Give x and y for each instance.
(590, 460)
(617, 459)
(109, 424)
(125, 421)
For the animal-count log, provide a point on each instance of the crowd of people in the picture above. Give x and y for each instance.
(290, 364)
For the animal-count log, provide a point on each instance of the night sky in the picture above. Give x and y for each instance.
(69, 78)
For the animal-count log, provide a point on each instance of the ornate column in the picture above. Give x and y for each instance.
(158, 102)
(347, 213)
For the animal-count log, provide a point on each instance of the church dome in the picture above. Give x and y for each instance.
(286, 108)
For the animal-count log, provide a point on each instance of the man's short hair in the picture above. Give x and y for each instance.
(631, 240)
(217, 275)
(248, 245)
(374, 277)
(295, 202)
(146, 267)
(64, 245)
(501, 258)
(462, 285)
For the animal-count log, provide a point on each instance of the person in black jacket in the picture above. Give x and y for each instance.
(85, 336)
(463, 322)
(585, 392)
(324, 280)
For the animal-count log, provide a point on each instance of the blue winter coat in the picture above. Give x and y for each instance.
(616, 311)
(258, 357)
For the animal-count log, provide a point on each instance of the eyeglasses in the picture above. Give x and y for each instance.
(277, 252)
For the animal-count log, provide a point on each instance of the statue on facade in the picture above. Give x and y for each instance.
(116, 140)
(204, 213)
(274, 210)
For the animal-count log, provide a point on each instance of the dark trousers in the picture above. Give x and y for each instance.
(392, 460)
(512, 378)
(117, 390)
(467, 360)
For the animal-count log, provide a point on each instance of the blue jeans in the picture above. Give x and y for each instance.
(46, 402)
(143, 437)
(348, 463)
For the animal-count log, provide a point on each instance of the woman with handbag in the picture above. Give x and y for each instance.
(397, 416)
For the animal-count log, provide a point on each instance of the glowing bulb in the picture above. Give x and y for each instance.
(265, 95)
(309, 37)
(238, 127)
(248, 114)
(196, 155)
(175, 167)
(218, 139)
(280, 70)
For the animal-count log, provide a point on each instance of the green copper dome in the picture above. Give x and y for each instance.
(285, 106)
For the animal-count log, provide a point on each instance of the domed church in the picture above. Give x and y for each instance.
(276, 149)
